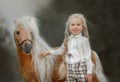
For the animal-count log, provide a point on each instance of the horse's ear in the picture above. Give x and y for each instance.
(15, 21)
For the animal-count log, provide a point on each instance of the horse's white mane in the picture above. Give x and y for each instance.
(44, 66)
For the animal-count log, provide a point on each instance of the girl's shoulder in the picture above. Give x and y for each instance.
(84, 38)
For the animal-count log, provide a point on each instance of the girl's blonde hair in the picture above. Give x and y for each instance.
(84, 31)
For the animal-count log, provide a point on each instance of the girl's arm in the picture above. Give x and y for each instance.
(58, 51)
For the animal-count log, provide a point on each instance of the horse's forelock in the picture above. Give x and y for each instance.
(28, 22)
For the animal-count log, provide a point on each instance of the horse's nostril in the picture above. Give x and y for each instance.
(28, 46)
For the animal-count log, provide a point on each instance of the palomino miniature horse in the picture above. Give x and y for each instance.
(34, 69)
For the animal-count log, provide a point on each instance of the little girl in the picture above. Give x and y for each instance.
(77, 48)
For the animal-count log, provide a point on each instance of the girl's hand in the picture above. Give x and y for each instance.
(44, 54)
(88, 78)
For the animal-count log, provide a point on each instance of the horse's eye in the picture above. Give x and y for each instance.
(17, 32)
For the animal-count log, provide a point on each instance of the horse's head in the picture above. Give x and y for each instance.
(23, 36)
(28, 40)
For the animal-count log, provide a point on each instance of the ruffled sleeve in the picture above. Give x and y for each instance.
(58, 51)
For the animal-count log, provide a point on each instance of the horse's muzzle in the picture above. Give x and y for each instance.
(27, 47)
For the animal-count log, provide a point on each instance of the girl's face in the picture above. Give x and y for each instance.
(75, 26)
